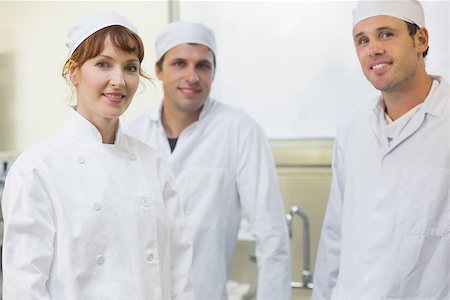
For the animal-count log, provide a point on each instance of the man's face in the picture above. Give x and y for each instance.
(388, 55)
(187, 73)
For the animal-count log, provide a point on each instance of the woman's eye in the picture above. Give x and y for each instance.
(101, 64)
(131, 68)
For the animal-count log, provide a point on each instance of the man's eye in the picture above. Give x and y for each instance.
(205, 66)
(179, 63)
(363, 41)
(386, 35)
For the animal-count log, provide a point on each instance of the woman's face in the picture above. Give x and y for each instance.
(106, 84)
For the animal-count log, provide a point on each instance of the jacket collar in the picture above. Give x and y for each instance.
(85, 131)
(432, 104)
(157, 113)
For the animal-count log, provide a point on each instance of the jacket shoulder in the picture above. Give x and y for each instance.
(40, 152)
(229, 115)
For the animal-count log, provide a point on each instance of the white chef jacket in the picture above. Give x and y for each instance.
(386, 229)
(222, 164)
(87, 220)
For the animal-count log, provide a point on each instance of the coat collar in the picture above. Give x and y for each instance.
(85, 131)
(157, 113)
(432, 104)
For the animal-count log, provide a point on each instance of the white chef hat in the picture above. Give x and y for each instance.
(407, 10)
(183, 32)
(78, 33)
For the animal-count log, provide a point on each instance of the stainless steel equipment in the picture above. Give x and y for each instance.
(5, 163)
(306, 272)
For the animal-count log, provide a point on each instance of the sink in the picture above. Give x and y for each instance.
(301, 294)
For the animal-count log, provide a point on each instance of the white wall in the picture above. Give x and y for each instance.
(33, 95)
(292, 64)
(289, 64)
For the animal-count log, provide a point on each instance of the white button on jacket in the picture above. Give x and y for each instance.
(223, 165)
(75, 227)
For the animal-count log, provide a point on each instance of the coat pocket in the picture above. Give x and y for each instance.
(423, 203)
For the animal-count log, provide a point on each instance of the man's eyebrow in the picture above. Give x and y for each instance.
(377, 30)
(359, 34)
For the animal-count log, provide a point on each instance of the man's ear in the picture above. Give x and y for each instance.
(421, 39)
(158, 71)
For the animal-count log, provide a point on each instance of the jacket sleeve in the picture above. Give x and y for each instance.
(328, 255)
(262, 205)
(181, 242)
(28, 236)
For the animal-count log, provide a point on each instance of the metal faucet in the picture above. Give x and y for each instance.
(306, 273)
(3, 174)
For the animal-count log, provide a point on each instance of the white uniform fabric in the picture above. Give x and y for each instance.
(394, 128)
(386, 230)
(223, 164)
(86, 220)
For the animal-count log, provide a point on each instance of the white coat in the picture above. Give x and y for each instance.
(87, 220)
(223, 164)
(386, 230)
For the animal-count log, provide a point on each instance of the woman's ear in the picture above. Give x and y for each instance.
(73, 76)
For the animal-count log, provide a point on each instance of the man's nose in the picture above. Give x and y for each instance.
(193, 75)
(375, 48)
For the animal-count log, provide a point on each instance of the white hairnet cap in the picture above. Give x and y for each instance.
(407, 10)
(78, 33)
(183, 32)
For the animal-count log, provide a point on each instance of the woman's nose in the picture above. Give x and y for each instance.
(117, 78)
